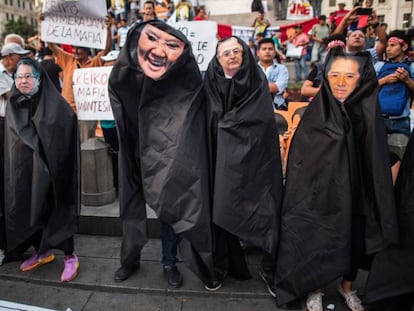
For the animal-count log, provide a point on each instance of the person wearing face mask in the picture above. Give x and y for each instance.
(338, 206)
(245, 159)
(11, 53)
(156, 95)
(41, 171)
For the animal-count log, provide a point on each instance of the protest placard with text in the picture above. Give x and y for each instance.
(90, 88)
(202, 35)
(79, 23)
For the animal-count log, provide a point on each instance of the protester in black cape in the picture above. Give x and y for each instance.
(41, 170)
(247, 175)
(390, 284)
(159, 110)
(339, 203)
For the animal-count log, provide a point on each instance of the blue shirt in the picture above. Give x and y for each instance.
(406, 112)
(278, 74)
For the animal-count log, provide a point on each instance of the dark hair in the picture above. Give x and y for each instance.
(337, 36)
(401, 34)
(151, 2)
(264, 40)
(225, 39)
(281, 123)
(32, 63)
(46, 51)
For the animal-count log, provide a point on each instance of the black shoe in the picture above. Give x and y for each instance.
(175, 279)
(124, 273)
(264, 276)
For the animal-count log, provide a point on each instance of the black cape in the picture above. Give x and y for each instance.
(338, 167)
(392, 271)
(163, 150)
(247, 174)
(41, 167)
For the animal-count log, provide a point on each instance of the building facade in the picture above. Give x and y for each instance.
(398, 14)
(13, 9)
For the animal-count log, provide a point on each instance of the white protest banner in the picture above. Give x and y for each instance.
(202, 35)
(244, 33)
(79, 23)
(90, 88)
(299, 10)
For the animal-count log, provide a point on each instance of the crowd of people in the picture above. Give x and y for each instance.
(205, 153)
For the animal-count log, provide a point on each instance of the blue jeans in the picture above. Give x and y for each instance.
(169, 245)
(300, 65)
(400, 125)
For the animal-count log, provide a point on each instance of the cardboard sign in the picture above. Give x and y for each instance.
(202, 35)
(90, 88)
(74, 22)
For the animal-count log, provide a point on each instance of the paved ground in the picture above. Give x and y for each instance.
(147, 290)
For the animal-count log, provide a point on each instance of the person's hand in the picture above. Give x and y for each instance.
(391, 78)
(351, 15)
(402, 74)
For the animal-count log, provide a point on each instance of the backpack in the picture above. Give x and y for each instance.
(393, 97)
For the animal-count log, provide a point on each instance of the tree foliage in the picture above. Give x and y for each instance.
(19, 26)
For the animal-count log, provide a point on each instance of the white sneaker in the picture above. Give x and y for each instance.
(351, 299)
(314, 301)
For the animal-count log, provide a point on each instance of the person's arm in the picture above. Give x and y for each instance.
(254, 22)
(280, 53)
(348, 18)
(108, 43)
(382, 38)
(279, 80)
(391, 78)
(308, 89)
(404, 76)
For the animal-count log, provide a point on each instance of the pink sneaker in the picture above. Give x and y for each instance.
(71, 268)
(37, 260)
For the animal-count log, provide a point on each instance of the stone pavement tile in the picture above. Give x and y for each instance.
(229, 304)
(56, 298)
(128, 302)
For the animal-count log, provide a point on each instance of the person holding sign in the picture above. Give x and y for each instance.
(247, 173)
(156, 95)
(41, 171)
(79, 59)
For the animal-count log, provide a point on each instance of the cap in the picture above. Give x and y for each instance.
(341, 4)
(112, 55)
(13, 48)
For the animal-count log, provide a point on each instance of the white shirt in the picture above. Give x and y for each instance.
(6, 82)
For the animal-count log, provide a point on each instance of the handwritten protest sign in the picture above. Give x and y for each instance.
(77, 23)
(202, 35)
(90, 88)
